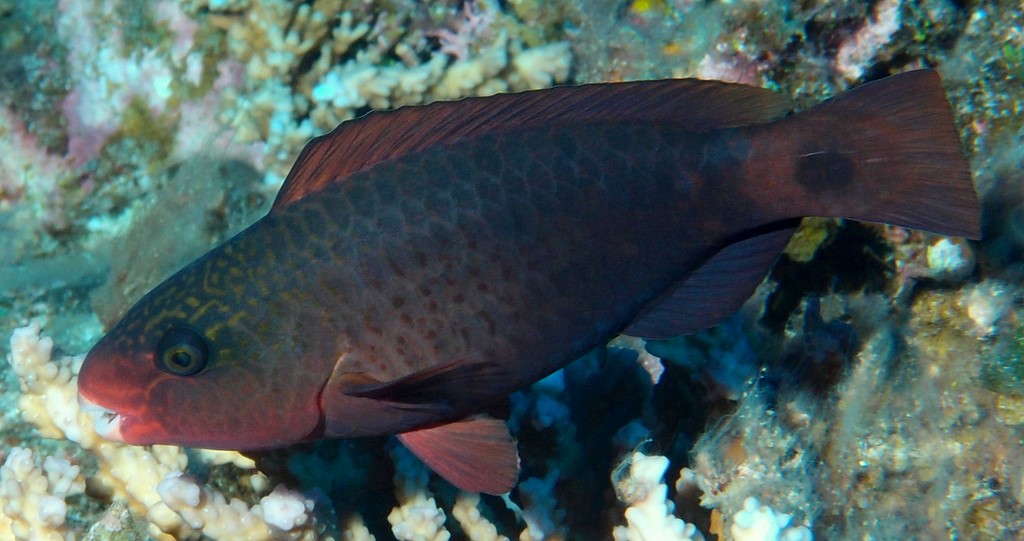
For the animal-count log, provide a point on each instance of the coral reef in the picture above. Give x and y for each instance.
(32, 497)
(309, 67)
(282, 514)
(649, 515)
(873, 364)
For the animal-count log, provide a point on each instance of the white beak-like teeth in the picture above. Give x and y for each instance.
(107, 423)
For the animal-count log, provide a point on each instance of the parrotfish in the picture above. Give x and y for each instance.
(420, 265)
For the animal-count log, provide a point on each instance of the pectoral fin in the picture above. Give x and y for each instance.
(458, 382)
(476, 454)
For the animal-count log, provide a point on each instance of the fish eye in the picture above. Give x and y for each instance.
(182, 352)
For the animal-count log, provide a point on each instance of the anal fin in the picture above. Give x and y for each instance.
(476, 454)
(716, 289)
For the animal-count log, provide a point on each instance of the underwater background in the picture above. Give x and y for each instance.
(872, 388)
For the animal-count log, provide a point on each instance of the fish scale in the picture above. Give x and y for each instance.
(420, 265)
(527, 227)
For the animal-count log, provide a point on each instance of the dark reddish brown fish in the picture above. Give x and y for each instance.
(420, 265)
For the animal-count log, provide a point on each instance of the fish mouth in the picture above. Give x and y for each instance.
(107, 423)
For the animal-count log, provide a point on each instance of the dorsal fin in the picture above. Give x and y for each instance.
(380, 136)
(715, 290)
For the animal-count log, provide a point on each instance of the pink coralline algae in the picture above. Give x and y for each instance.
(467, 30)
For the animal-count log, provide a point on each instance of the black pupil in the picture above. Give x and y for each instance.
(182, 352)
(181, 359)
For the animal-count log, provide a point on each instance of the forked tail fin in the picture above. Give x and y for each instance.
(888, 152)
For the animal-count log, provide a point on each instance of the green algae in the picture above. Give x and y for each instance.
(140, 123)
(139, 28)
(117, 524)
(212, 45)
(1003, 371)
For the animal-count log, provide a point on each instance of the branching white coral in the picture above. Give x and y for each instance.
(49, 398)
(544, 521)
(649, 516)
(474, 524)
(355, 530)
(281, 515)
(32, 497)
(756, 522)
(417, 518)
(49, 401)
(365, 60)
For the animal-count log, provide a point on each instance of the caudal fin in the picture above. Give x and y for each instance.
(888, 151)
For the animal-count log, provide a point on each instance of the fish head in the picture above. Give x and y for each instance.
(192, 364)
